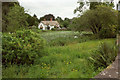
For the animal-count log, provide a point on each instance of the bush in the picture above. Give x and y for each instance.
(22, 47)
(53, 29)
(107, 33)
(104, 55)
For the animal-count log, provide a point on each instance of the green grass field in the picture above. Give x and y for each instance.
(68, 61)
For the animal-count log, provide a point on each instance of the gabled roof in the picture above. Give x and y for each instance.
(52, 23)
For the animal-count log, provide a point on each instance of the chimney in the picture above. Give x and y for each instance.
(50, 19)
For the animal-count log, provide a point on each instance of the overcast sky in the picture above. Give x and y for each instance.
(62, 8)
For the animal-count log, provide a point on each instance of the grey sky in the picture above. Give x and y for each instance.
(62, 8)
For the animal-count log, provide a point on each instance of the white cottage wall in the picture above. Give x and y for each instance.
(41, 24)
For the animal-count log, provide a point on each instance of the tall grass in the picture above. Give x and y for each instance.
(104, 55)
(69, 61)
(62, 38)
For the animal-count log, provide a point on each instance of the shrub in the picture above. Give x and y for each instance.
(108, 33)
(22, 47)
(53, 29)
(104, 55)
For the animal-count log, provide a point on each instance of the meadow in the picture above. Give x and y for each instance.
(65, 57)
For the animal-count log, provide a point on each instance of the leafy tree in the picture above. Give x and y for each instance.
(30, 20)
(102, 21)
(36, 22)
(5, 10)
(13, 16)
(16, 18)
(47, 17)
(92, 5)
(59, 19)
(41, 19)
(76, 25)
(66, 22)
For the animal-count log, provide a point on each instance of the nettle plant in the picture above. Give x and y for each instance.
(22, 47)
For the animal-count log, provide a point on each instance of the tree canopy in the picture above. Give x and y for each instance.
(91, 5)
(47, 17)
(102, 21)
(16, 18)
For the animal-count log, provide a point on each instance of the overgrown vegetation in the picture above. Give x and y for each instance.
(15, 17)
(22, 47)
(61, 62)
(33, 53)
(62, 38)
(102, 21)
(104, 55)
(58, 61)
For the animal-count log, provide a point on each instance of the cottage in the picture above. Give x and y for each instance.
(48, 25)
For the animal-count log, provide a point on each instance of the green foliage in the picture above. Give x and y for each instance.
(62, 38)
(59, 19)
(53, 29)
(47, 17)
(77, 25)
(30, 20)
(16, 18)
(61, 41)
(5, 10)
(61, 62)
(101, 21)
(22, 47)
(92, 5)
(104, 55)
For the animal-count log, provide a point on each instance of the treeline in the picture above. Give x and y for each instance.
(101, 19)
(14, 17)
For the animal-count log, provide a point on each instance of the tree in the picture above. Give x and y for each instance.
(76, 25)
(59, 19)
(36, 22)
(30, 20)
(66, 22)
(47, 17)
(92, 5)
(102, 21)
(16, 18)
(5, 10)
